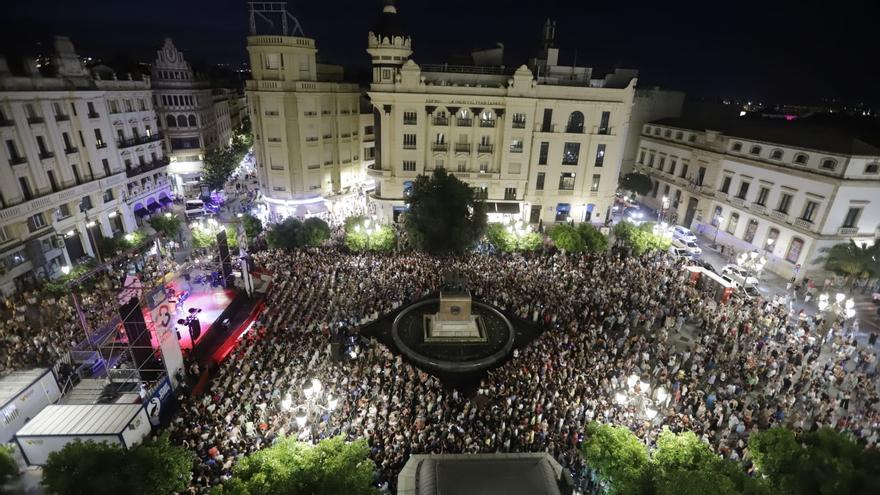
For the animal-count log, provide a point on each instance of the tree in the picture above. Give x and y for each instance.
(567, 238)
(218, 166)
(285, 234)
(332, 467)
(618, 456)
(361, 235)
(444, 217)
(314, 232)
(167, 226)
(640, 239)
(593, 239)
(851, 260)
(8, 466)
(252, 226)
(154, 467)
(501, 237)
(637, 183)
(823, 462)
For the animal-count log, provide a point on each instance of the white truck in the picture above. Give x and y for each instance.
(57, 426)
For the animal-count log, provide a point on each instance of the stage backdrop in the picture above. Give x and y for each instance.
(164, 315)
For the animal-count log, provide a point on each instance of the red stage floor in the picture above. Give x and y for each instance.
(211, 300)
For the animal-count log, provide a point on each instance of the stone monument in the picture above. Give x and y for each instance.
(454, 321)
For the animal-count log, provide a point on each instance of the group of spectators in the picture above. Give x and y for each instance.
(725, 370)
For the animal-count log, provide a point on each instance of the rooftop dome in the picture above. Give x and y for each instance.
(389, 23)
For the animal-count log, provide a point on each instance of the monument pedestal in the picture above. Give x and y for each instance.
(454, 321)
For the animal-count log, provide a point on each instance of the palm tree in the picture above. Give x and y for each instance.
(852, 261)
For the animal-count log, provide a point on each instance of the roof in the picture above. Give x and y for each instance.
(389, 23)
(834, 136)
(94, 419)
(482, 474)
(16, 382)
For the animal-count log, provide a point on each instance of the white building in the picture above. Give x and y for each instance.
(306, 125)
(542, 143)
(194, 117)
(649, 104)
(84, 162)
(786, 189)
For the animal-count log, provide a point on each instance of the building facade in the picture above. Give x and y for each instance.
(543, 143)
(783, 190)
(306, 124)
(194, 117)
(84, 162)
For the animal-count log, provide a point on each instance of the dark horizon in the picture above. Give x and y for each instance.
(782, 51)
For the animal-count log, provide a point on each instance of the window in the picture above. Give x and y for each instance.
(600, 155)
(99, 140)
(409, 141)
(440, 138)
(409, 118)
(487, 119)
(651, 160)
(772, 236)
(763, 192)
(41, 146)
(25, 188)
(484, 167)
(509, 193)
(73, 108)
(800, 159)
(751, 228)
(743, 190)
(181, 121)
(566, 181)
(794, 250)
(692, 138)
(575, 123)
(92, 113)
(409, 166)
(106, 165)
(570, 153)
(539, 184)
(666, 190)
(776, 155)
(684, 171)
(872, 168)
(679, 135)
(810, 211)
(656, 188)
(52, 182)
(642, 157)
(36, 222)
(594, 186)
(701, 174)
(170, 121)
(4, 234)
(76, 176)
(12, 150)
(462, 166)
(829, 164)
(736, 146)
(546, 123)
(755, 150)
(481, 192)
(784, 203)
(108, 195)
(725, 185)
(603, 123)
(661, 163)
(668, 133)
(671, 169)
(732, 223)
(542, 155)
(519, 121)
(272, 61)
(852, 217)
(192, 121)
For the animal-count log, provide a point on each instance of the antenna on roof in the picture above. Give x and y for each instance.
(279, 9)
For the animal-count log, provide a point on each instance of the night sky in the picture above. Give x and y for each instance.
(782, 50)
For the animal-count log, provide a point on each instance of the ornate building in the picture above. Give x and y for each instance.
(543, 142)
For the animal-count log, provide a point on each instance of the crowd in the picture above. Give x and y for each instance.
(604, 317)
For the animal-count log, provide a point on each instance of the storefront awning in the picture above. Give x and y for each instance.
(153, 207)
(141, 212)
(165, 200)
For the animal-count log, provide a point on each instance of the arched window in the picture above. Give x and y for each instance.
(181, 121)
(192, 121)
(732, 223)
(170, 122)
(770, 241)
(755, 150)
(829, 164)
(736, 147)
(794, 250)
(575, 123)
(776, 155)
(463, 114)
(800, 158)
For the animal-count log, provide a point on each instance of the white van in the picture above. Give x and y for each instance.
(194, 208)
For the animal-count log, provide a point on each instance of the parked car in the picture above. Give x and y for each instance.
(703, 263)
(747, 292)
(740, 274)
(689, 245)
(194, 208)
(679, 232)
(680, 252)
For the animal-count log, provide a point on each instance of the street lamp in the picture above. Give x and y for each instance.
(637, 394)
(312, 392)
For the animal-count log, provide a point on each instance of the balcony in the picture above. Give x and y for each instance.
(779, 215)
(374, 171)
(485, 148)
(94, 115)
(127, 143)
(516, 149)
(487, 122)
(604, 131)
(575, 129)
(410, 121)
(848, 231)
(146, 167)
(439, 147)
(35, 120)
(70, 150)
(17, 160)
(736, 201)
(518, 125)
(464, 122)
(803, 223)
(61, 117)
(440, 121)
(721, 195)
(462, 148)
(759, 208)
(100, 145)
(45, 155)
(327, 136)
(409, 146)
